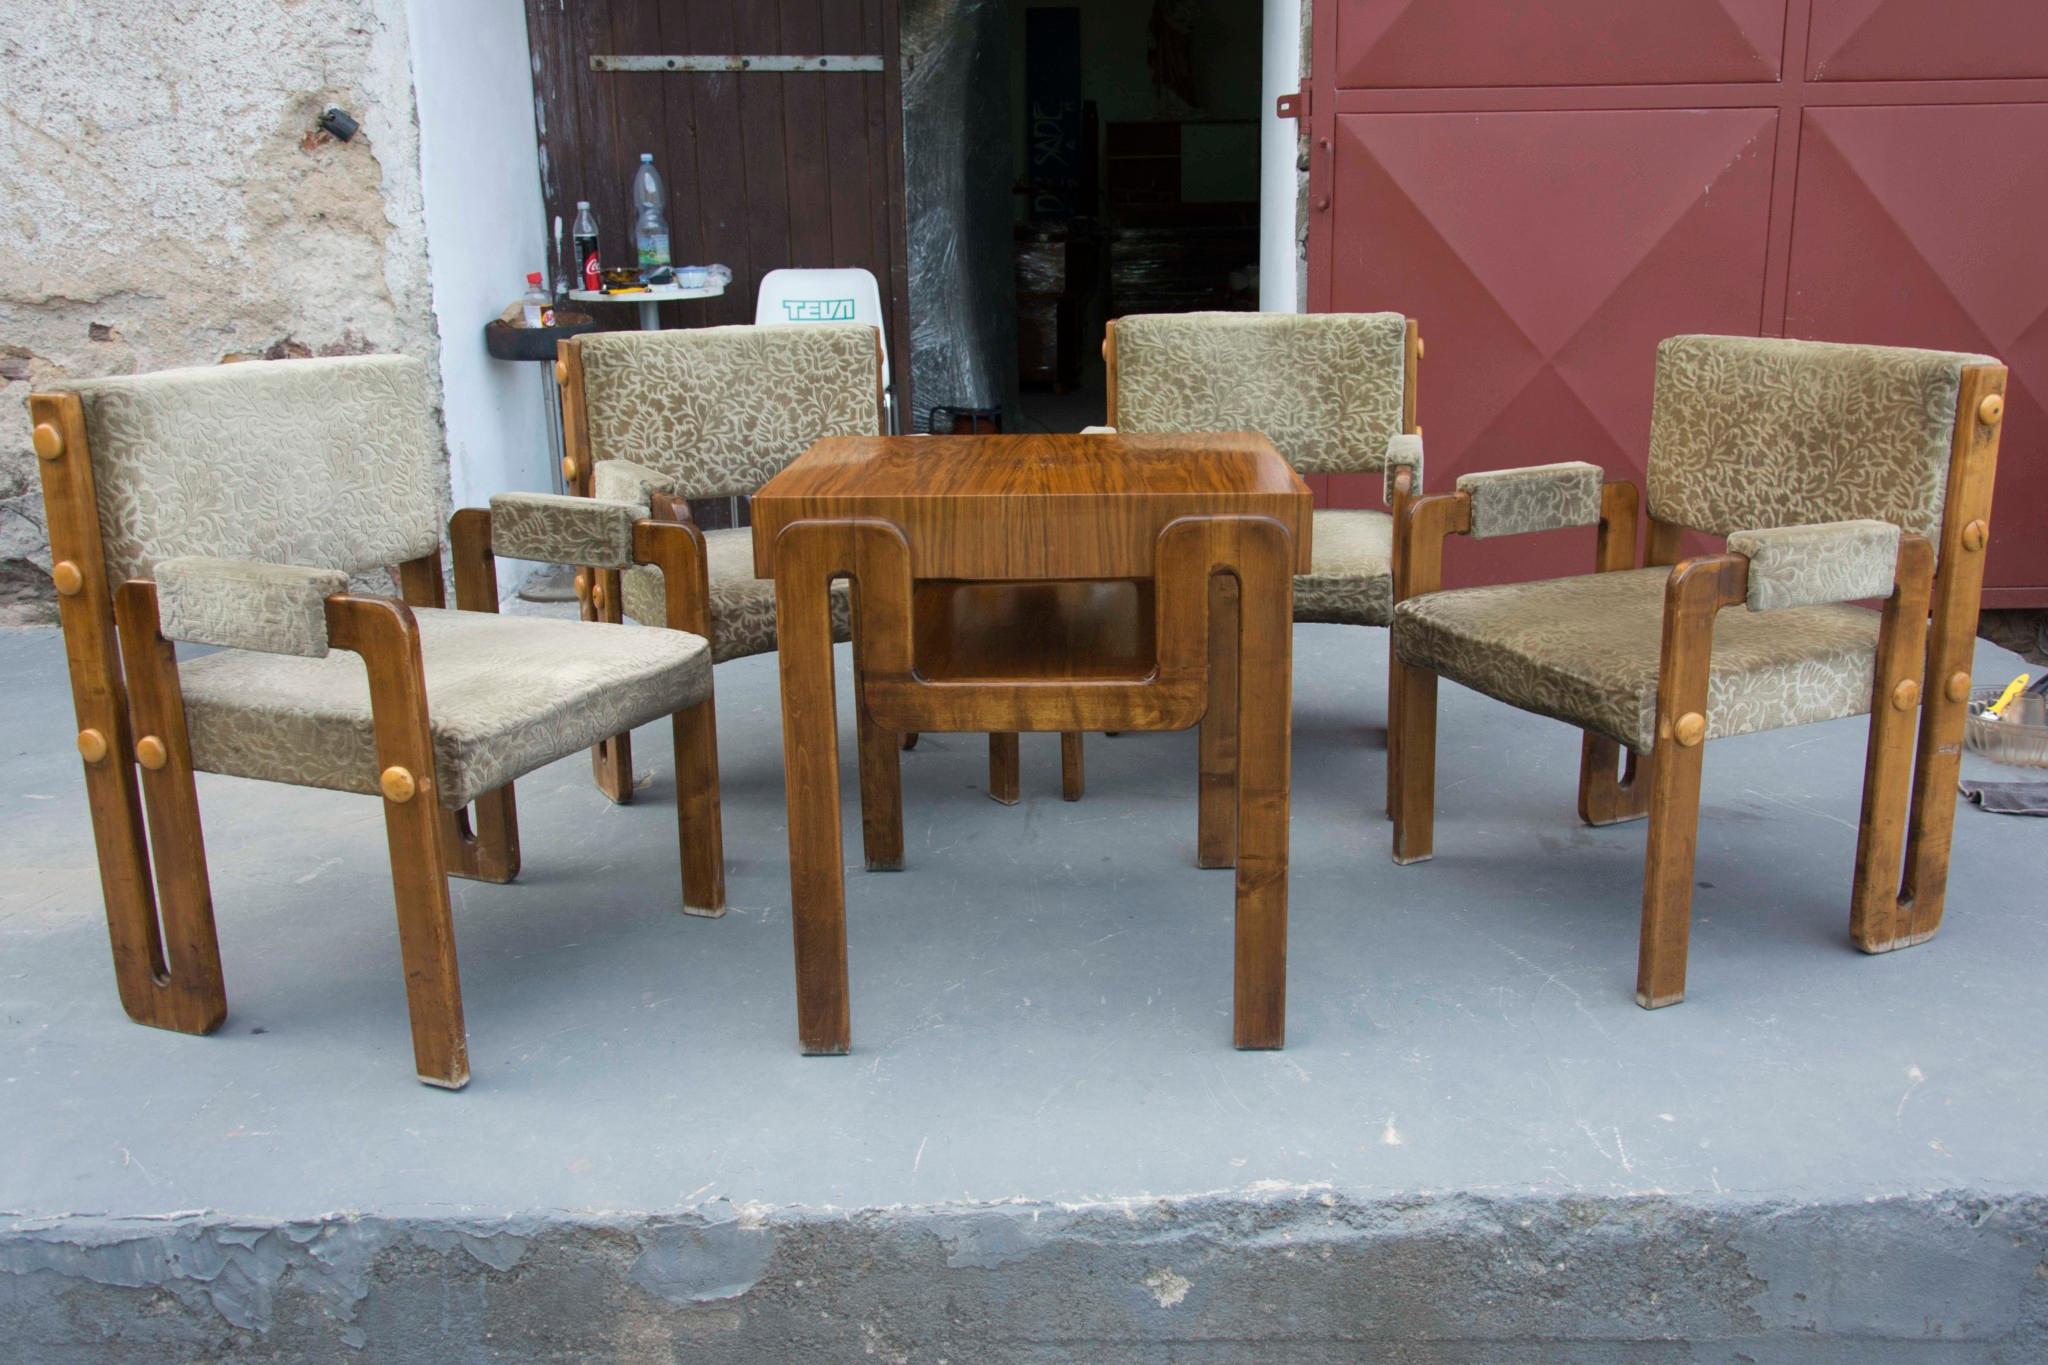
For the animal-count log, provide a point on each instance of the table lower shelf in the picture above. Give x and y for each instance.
(1092, 631)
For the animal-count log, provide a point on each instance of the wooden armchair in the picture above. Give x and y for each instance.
(227, 507)
(1837, 474)
(1335, 392)
(658, 418)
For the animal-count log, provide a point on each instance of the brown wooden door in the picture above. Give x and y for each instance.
(764, 169)
(1553, 188)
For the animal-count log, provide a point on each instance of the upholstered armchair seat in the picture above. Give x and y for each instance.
(742, 606)
(505, 695)
(1350, 580)
(1584, 650)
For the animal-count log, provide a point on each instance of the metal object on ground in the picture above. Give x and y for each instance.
(755, 62)
(2018, 736)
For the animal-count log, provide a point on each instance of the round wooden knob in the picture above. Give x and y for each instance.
(1975, 534)
(582, 586)
(1418, 348)
(1690, 729)
(1905, 694)
(1988, 411)
(569, 469)
(597, 596)
(66, 576)
(1105, 348)
(398, 785)
(561, 371)
(92, 745)
(1958, 688)
(150, 752)
(48, 441)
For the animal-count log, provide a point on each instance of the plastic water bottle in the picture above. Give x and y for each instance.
(537, 309)
(650, 215)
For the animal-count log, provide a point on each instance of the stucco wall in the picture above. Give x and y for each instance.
(171, 202)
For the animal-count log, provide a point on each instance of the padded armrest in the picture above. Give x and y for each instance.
(1404, 451)
(245, 604)
(1831, 561)
(624, 481)
(1544, 497)
(564, 530)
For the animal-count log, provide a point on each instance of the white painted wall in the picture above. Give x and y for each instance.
(480, 173)
(1278, 194)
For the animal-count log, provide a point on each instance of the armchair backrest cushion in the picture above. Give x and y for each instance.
(1748, 433)
(723, 409)
(323, 463)
(1325, 388)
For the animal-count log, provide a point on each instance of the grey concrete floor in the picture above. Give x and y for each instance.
(1040, 1001)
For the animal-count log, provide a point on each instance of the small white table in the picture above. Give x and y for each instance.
(650, 313)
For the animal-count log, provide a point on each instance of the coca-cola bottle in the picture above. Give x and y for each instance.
(584, 235)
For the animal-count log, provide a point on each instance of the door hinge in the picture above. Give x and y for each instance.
(1292, 106)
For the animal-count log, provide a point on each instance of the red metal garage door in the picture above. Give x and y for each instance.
(1551, 189)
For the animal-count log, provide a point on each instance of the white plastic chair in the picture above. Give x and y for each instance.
(843, 295)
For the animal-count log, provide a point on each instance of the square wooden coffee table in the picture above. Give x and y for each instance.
(1050, 583)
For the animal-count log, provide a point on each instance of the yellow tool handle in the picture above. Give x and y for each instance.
(2012, 689)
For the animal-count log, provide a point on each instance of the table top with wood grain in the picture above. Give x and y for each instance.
(1032, 506)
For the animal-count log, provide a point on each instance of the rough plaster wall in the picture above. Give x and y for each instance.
(172, 202)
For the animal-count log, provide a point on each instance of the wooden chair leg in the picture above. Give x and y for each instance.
(881, 789)
(611, 760)
(481, 842)
(1264, 707)
(1393, 732)
(1415, 800)
(384, 634)
(1073, 775)
(699, 814)
(1882, 909)
(1003, 768)
(1695, 593)
(1604, 797)
(1667, 872)
(1216, 792)
(169, 971)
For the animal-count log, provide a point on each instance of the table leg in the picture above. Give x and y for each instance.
(650, 317)
(1264, 706)
(810, 763)
(881, 776)
(1216, 791)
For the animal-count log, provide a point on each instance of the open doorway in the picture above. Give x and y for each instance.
(1135, 134)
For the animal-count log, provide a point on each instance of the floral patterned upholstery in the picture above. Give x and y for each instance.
(505, 695)
(565, 530)
(1550, 497)
(1325, 388)
(1748, 433)
(721, 410)
(277, 608)
(1585, 650)
(1350, 581)
(1799, 566)
(326, 463)
(742, 606)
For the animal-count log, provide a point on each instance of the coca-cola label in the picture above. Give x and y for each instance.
(593, 274)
